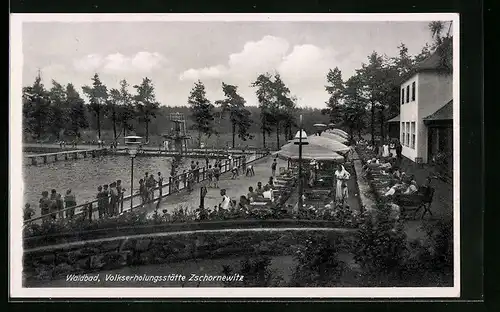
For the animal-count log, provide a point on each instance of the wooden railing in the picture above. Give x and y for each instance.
(90, 209)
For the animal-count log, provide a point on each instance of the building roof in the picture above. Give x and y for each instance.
(444, 113)
(395, 119)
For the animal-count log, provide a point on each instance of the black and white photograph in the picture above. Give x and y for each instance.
(245, 155)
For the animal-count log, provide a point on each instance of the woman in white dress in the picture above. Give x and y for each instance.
(341, 175)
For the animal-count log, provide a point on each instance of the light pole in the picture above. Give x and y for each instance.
(132, 143)
(300, 139)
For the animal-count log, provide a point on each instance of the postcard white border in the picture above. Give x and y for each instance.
(16, 180)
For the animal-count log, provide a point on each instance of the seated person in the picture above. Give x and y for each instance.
(268, 193)
(259, 190)
(396, 188)
(251, 194)
(386, 165)
(396, 173)
(270, 183)
(412, 188)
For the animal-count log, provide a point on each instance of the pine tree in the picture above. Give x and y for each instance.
(202, 111)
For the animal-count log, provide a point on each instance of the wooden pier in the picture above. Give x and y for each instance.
(45, 158)
(190, 153)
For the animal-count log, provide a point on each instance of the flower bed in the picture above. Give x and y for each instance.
(138, 222)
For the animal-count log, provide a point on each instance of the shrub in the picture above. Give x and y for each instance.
(256, 272)
(318, 263)
(380, 248)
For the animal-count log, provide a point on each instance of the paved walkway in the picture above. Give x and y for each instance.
(235, 188)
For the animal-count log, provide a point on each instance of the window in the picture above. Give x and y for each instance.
(403, 133)
(407, 134)
(413, 86)
(407, 93)
(402, 95)
(412, 134)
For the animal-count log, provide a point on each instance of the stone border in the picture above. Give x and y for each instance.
(53, 262)
(61, 238)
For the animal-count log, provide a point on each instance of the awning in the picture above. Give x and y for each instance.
(333, 145)
(445, 113)
(341, 133)
(395, 119)
(334, 136)
(309, 152)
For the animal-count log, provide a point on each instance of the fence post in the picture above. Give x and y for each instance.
(90, 212)
(203, 170)
(169, 185)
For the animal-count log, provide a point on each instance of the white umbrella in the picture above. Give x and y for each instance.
(309, 152)
(334, 136)
(341, 133)
(329, 143)
(319, 125)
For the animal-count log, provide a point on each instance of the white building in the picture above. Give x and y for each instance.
(425, 118)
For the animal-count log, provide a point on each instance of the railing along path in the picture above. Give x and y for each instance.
(174, 185)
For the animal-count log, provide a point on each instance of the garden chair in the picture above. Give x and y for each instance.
(419, 201)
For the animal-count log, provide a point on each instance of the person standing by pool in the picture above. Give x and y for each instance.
(53, 204)
(60, 206)
(160, 184)
(100, 202)
(105, 200)
(216, 176)
(150, 185)
(69, 201)
(113, 203)
(28, 212)
(45, 204)
(197, 172)
(210, 174)
(142, 191)
(120, 190)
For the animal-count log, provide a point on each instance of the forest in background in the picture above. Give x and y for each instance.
(360, 104)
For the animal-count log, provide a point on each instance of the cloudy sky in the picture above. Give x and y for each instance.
(175, 54)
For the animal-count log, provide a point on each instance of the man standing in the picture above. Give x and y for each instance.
(160, 183)
(120, 190)
(105, 200)
(70, 201)
(399, 150)
(100, 202)
(45, 205)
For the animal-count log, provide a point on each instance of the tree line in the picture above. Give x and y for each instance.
(362, 102)
(372, 94)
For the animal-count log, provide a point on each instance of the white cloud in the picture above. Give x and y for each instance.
(90, 62)
(207, 72)
(302, 67)
(255, 57)
(119, 63)
(307, 63)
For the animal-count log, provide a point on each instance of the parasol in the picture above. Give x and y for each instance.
(334, 137)
(319, 125)
(309, 152)
(329, 143)
(341, 133)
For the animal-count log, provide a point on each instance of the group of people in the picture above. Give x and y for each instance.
(147, 186)
(110, 199)
(54, 206)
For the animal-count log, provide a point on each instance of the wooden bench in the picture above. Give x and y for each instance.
(421, 200)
